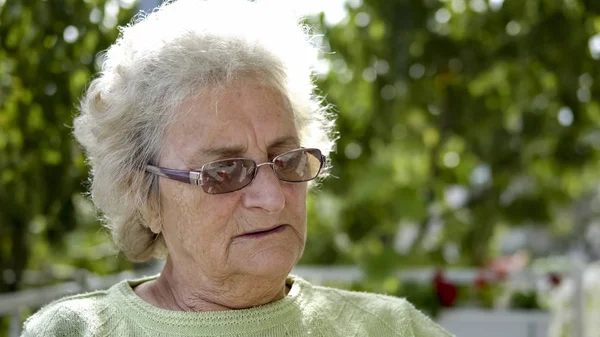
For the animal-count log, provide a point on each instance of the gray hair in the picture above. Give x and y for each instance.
(164, 58)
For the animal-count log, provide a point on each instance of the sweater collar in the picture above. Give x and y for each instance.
(260, 318)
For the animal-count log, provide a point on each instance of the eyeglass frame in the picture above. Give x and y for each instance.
(194, 177)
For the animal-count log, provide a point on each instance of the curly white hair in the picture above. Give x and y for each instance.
(164, 58)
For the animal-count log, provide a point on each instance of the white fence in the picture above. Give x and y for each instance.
(471, 322)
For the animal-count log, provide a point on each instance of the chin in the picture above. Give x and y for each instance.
(273, 261)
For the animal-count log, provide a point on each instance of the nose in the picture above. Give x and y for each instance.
(265, 192)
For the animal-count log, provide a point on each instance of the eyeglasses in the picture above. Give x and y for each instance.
(230, 175)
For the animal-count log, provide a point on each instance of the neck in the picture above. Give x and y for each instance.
(181, 290)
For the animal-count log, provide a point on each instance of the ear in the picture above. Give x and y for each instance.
(155, 224)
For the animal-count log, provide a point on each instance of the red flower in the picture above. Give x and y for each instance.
(446, 292)
(555, 279)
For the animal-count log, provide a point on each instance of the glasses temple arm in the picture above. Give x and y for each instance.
(188, 177)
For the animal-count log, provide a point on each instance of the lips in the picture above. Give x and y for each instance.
(264, 231)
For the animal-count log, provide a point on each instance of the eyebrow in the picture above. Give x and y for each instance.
(286, 141)
(225, 151)
(237, 151)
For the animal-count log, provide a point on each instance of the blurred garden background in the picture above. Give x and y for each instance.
(467, 172)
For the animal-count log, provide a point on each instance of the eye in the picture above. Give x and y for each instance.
(279, 163)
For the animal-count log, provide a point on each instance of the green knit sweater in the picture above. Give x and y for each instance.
(307, 310)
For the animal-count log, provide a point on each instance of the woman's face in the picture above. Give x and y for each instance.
(208, 234)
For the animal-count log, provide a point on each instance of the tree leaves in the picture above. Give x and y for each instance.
(491, 103)
(47, 54)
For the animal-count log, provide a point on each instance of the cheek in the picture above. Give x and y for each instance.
(176, 209)
(191, 217)
(295, 195)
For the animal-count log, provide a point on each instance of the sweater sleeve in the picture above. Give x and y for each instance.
(423, 326)
(380, 315)
(407, 321)
(54, 320)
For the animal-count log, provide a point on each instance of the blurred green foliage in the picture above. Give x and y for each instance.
(49, 51)
(458, 119)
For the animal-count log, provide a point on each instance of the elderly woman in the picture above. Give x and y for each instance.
(202, 132)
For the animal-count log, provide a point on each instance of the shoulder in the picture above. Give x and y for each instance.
(83, 314)
(390, 315)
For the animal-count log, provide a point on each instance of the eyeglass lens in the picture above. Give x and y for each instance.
(230, 175)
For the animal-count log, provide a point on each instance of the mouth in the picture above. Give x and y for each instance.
(264, 232)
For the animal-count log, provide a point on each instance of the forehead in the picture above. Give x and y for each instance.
(246, 115)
